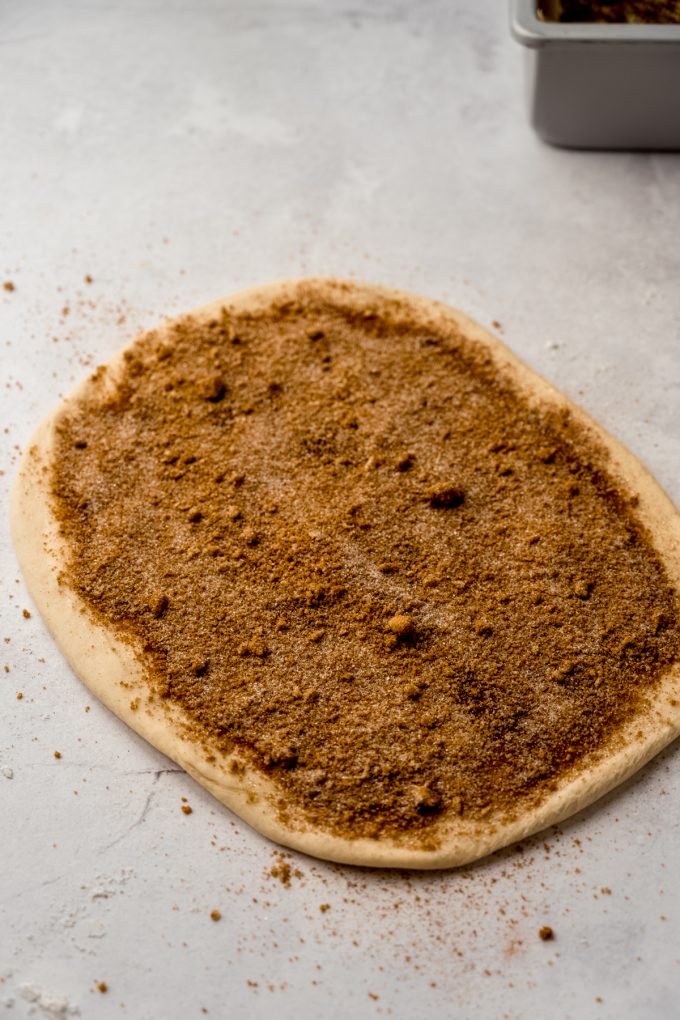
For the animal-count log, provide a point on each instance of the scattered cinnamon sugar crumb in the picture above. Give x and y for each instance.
(215, 915)
(282, 871)
(88, 279)
(57, 754)
(8, 285)
(323, 907)
(20, 695)
(102, 986)
(187, 809)
(26, 614)
(546, 933)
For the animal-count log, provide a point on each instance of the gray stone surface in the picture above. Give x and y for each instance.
(176, 151)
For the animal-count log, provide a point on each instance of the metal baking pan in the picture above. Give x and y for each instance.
(601, 86)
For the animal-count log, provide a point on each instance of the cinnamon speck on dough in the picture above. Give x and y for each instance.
(387, 567)
(445, 496)
(402, 626)
(456, 805)
(26, 614)
(546, 933)
(57, 754)
(8, 286)
(88, 279)
(426, 800)
(158, 605)
(102, 987)
(323, 907)
(404, 462)
(214, 388)
(215, 915)
(20, 695)
(187, 809)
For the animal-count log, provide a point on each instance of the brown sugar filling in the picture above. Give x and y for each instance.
(351, 551)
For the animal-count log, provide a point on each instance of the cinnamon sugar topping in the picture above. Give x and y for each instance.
(349, 550)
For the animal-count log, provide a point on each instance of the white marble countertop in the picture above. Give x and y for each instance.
(174, 152)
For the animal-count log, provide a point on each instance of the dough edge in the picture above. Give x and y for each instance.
(110, 669)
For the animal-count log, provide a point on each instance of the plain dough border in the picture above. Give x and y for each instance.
(110, 669)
